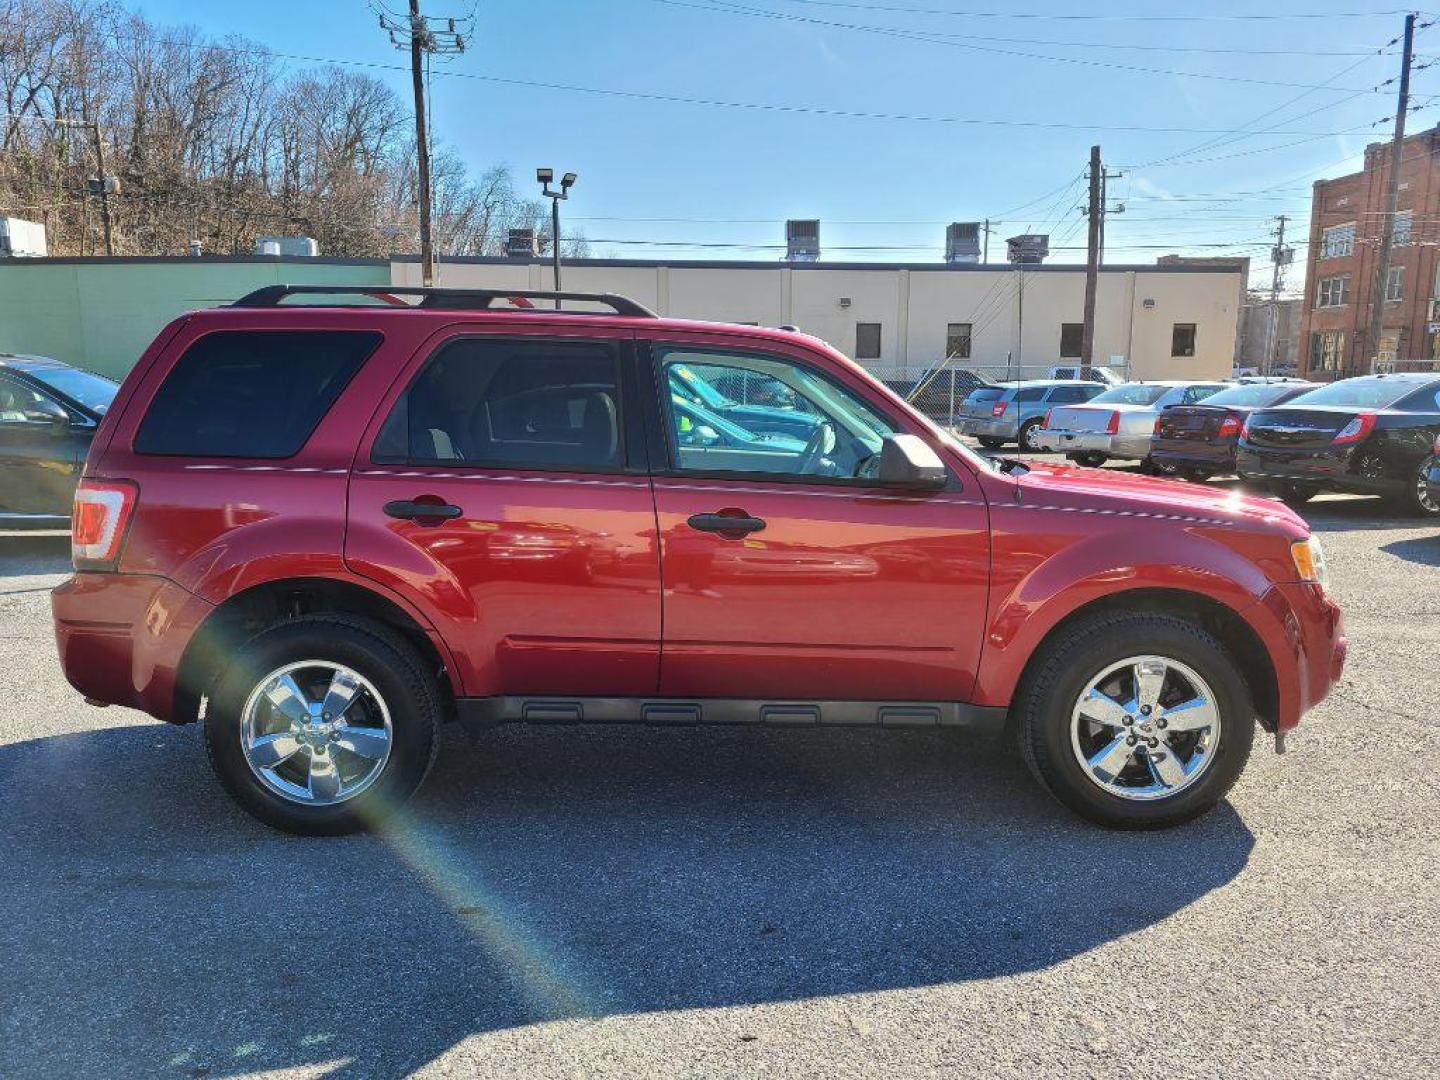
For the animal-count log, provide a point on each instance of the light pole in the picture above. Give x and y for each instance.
(544, 176)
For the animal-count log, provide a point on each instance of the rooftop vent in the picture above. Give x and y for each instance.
(303, 247)
(1029, 249)
(802, 240)
(962, 242)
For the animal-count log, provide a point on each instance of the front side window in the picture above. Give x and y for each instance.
(251, 393)
(1337, 241)
(22, 405)
(835, 435)
(867, 341)
(957, 340)
(1065, 395)
(1072, 335)
(1333, 291)
(485, 402)
(1182, 339)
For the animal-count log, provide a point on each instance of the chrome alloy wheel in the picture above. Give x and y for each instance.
(316, 732)
(1145, 728)
(1422, 490)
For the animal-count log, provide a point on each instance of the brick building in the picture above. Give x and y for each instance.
(1345, 219)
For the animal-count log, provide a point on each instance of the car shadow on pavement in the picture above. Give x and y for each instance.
(541, 874)
(1423, 550)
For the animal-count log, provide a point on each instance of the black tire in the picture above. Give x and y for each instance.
(1027, 434)
(1060, 672)
(1415, 500)
(1296, 494)
(412, 695)
(1090, 459)
(989, 442)
(1195, 476)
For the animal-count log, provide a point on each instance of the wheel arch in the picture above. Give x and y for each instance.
(244, 614)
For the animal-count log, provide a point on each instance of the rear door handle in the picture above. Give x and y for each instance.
(726, 523)
(415, 510)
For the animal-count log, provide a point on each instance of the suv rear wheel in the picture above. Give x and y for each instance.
(323, 724)
(1136, 721)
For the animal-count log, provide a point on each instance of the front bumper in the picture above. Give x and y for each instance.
(121, 637)
(990, 429)
(1327, 468)
(1132, 447)
(1303, 630)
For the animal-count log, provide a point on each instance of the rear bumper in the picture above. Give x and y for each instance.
(1135, 447)
(990, 429)
(1327, 468)
(1218, 456)
(1304, 633)
(121, 637)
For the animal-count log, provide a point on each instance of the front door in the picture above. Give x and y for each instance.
(789, 571)
(497, 490)
(41, 450)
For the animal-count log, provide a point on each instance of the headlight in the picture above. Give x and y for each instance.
(1309, 559)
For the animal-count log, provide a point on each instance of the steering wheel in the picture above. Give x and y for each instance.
(821, 443)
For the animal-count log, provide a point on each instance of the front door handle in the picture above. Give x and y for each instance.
(736, 523)
(420, 509)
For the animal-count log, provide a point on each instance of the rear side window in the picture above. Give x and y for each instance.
(550, 404)
(1030, 393)
(251, 393)
(1063, 395)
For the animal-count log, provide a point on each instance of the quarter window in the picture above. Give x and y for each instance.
(1333, 291)
(549, 404)
(811, 427)
(1182, 339)
(1337, 241)
(251, 393)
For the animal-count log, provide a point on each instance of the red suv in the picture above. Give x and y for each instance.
(325, 528)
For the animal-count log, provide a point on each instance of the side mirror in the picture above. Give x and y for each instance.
(908, 461)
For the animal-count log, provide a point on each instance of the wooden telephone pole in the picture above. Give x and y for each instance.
(1392, 194)
(1096, 213)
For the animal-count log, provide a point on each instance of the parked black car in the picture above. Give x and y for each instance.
(48, 415)
(1198, 441)
(1372, 435)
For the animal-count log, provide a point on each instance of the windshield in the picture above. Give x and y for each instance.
(1257, 395)
(93, 391)
(686, 382)
(1131, 394)
(1363, 393)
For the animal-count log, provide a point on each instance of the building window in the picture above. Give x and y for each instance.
(1403, 229)
(867, 341)
(1395, 283)
(957, 340)
(1337, 241)
(1333, 291)
(1072, 337)
(1182, 339)
(1327, 350)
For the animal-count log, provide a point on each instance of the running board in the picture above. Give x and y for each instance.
(491, 711)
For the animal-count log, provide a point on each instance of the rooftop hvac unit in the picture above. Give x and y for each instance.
(295, 247)
(520, 244)
(962, 242)
(21, 239)
(1029, 249)
(802, 240)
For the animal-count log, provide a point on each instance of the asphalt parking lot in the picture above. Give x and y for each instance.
(717, 903)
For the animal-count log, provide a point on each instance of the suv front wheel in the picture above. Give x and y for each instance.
(323, 724)
(1135, 720)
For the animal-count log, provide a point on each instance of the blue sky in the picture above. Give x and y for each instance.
(654, 174)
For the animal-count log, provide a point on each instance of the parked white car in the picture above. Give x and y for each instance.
(1118, 423)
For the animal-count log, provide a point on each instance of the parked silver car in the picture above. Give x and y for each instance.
(1117, 423)
(1012, 412)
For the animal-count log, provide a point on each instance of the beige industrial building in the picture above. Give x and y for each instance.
(1171, 320)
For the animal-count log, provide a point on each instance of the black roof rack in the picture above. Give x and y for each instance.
(448, 299)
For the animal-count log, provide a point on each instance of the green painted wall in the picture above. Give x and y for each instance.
(102, 313)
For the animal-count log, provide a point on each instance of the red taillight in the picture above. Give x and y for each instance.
(1114, 426)
(1356, 429)
(998, 409)
(1229, 426)
(97, 524)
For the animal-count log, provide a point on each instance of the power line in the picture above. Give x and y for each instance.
(1276, 16)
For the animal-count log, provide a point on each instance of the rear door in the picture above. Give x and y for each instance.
(789, 573)
(499, 489)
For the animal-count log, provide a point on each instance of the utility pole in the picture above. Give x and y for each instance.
(104, 186)
(1096, 213)
(423, 37)
(1280, 257)
(1392, 194)
(985, 256)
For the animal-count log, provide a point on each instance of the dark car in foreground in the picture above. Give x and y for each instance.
(48, 414)
(1198, 441)
(1371, 435)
